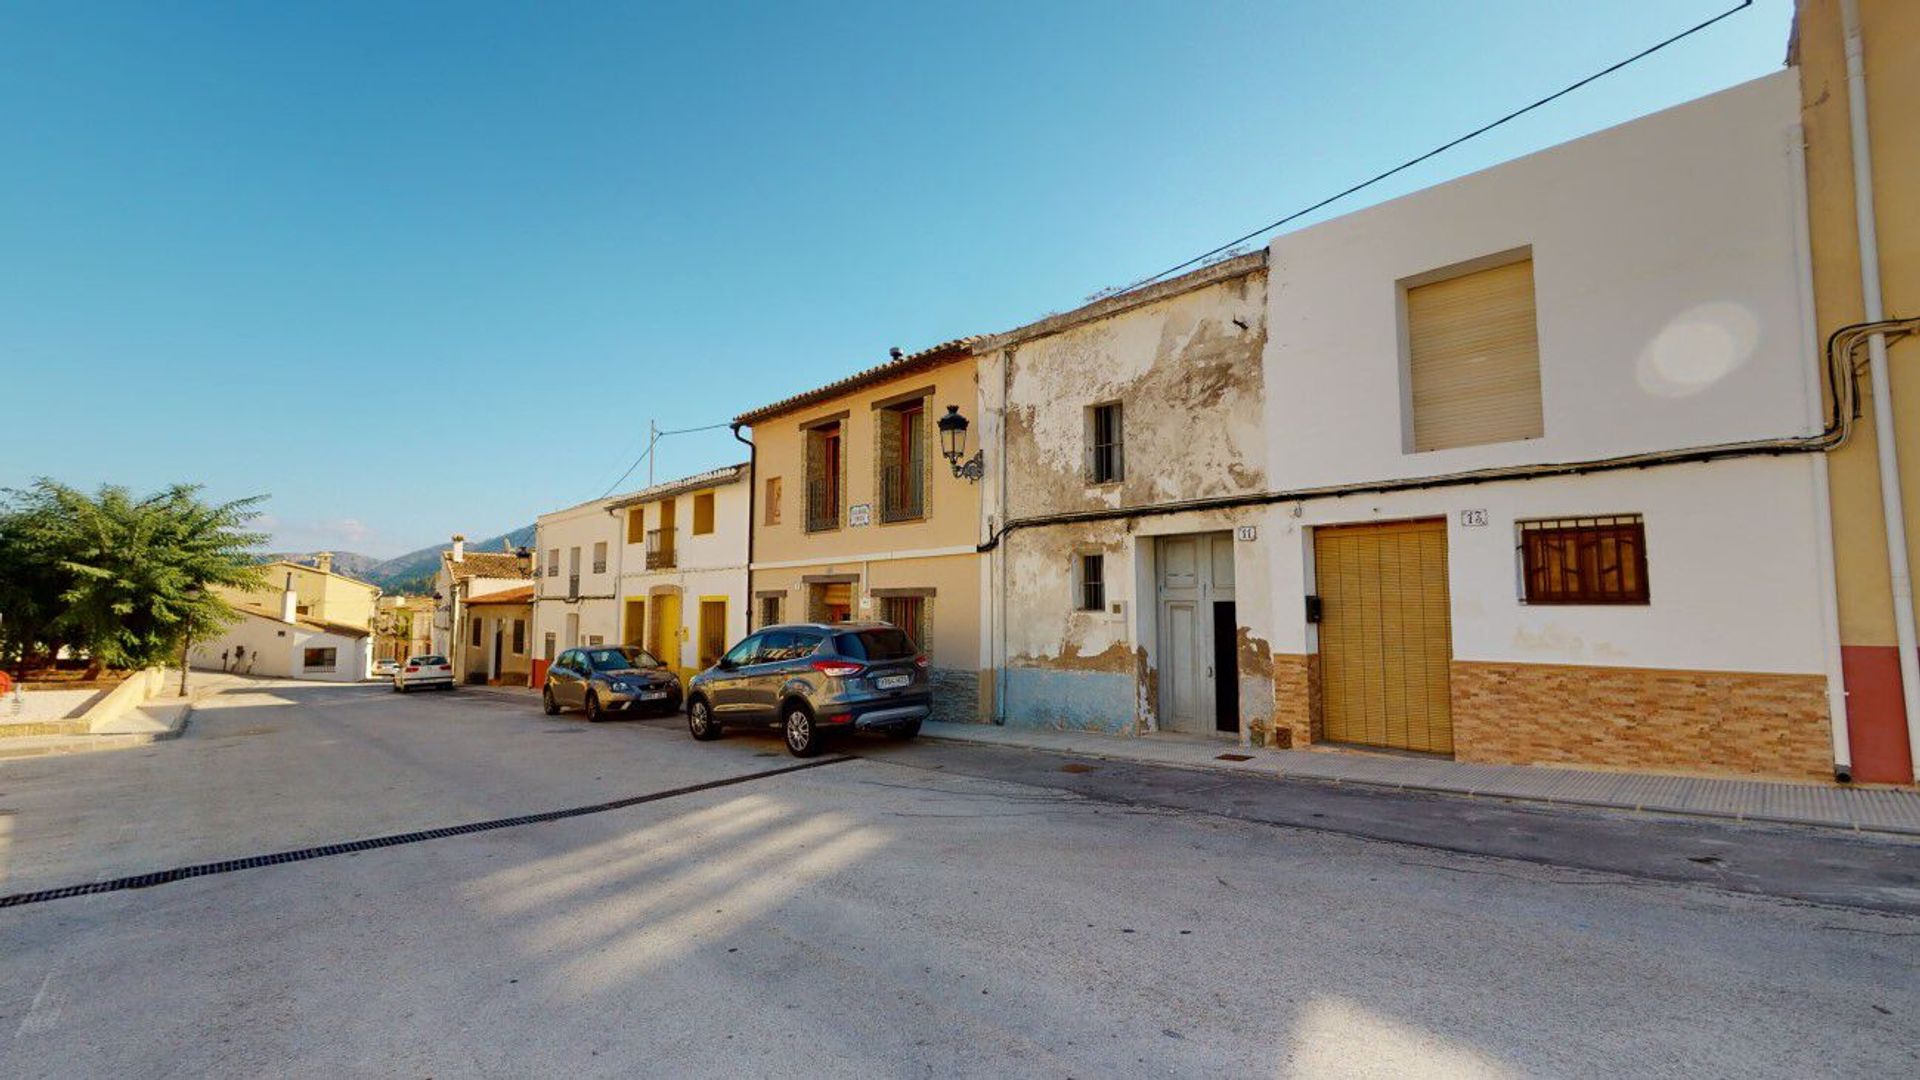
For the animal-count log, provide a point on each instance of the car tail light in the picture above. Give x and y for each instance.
(446, 667)
(414, 668)
(921, 661)
(837, 669)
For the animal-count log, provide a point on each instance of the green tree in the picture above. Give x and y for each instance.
(32, 584)
(141, 576)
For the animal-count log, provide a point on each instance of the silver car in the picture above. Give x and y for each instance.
(607, 679)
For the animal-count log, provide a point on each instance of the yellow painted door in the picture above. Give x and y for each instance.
(713, 632)
(1385, 635)
(635, 630)
(663, 640)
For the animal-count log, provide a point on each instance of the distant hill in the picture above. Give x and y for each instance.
(412, 573)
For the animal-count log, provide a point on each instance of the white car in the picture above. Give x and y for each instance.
(423, 671)
(386, 667)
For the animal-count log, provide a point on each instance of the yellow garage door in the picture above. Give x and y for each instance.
(1385, 637)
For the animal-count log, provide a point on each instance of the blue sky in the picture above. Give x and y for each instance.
(420, 268)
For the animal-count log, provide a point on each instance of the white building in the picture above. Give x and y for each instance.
(576, 567)
(664, 568)
(683, 567)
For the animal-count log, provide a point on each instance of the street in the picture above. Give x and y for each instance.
(900, 910)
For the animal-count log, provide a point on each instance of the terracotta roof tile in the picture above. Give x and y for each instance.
(493, 564)
(942, 353)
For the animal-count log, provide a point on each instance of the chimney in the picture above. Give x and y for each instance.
(323, 561)
(289, 601)
(459, 548)
(506, 544)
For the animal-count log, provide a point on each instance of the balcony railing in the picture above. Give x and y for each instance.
(660, 549)
(903, 492)
(823, 506)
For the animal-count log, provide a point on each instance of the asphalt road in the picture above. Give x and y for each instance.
(927, 910)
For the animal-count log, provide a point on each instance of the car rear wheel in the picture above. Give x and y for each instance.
(594, 715)
(904, 731)
(547, 704)
(700, 721)
(803, 736)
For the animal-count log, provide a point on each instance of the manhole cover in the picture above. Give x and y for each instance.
(1077, 766)
(1233, 757)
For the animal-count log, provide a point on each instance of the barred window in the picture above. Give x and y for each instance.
(1598, 560)
(1093, 583)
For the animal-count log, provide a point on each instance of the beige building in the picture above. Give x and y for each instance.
(856, 515)
(319, 593)
(463, 576)
(1878, 736)
(402, 626)
(494, 637)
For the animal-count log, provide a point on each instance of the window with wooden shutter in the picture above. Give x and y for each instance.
(1601, 560)
(1473, 358)
(703, 513)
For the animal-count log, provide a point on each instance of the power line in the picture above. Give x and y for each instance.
(1442, 148)
(651, 443)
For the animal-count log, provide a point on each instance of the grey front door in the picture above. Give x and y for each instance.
(1192, 572)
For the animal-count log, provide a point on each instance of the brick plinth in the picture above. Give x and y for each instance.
(1639, 718)
(1296, 699)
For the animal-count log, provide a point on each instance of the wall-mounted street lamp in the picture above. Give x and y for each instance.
(953, 444)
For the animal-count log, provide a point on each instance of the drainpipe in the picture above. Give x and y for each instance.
(753, 479)
(1824, 579)
(1891, 507)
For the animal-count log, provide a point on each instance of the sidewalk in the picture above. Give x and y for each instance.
(158, 719)
(1828, 806)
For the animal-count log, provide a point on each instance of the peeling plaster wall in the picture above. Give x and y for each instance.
(1186, 370)
(1188, 379)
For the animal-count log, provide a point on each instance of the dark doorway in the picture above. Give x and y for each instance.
(499, 634)
(1226, 666)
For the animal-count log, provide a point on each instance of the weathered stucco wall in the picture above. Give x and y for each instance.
(1183, 360)
(1186, 372)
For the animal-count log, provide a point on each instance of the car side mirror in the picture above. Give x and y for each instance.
(724, 664)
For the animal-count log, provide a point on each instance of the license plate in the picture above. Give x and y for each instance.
(892, 682)
(653, 695)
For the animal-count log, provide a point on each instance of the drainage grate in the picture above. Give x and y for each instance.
(1078, 766)
(162, 877)
(1233, 757)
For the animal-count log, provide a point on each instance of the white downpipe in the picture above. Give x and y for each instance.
(1891, 505)
(1817, 463)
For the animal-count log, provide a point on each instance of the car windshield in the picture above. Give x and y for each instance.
(885, 643)
(428, 661)
(620, 659)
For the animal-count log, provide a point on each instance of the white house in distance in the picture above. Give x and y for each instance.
(287, 644)
(664, 568)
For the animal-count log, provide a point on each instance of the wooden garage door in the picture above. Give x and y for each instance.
(1385, 638)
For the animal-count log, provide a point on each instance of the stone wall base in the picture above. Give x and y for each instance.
(1640, 718)
(1296, 701)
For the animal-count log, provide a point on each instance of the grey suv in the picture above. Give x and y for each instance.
(811, 678)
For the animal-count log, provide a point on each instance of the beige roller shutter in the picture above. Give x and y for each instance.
(1386, 637)
(1474, 354)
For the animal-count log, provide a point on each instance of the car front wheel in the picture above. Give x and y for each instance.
(594, 715)
(803, 737)
(700, 721)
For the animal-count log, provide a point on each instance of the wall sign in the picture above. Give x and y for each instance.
(1246, 532)
(1473, 519)
(860, 514)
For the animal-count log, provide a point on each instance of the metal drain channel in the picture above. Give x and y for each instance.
(228, 866)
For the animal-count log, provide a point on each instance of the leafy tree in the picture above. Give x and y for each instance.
(32, 583)
(140, 577)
